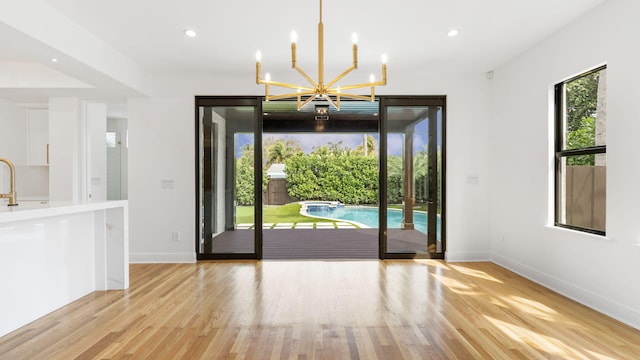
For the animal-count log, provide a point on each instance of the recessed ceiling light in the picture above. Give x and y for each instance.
(54, 60)
(190, 33)
(453, 32)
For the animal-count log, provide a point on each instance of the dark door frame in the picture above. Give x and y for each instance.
(385, 101)
(429, 101)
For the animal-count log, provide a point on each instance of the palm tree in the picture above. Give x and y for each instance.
(276, 151)
(369, 143)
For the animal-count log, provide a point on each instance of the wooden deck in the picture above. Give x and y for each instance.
(319, 243)
(425, 309)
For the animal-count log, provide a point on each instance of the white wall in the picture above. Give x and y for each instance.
(602, 272)
(96, 120)
(162, 148)
(67, 150)
(162, 179)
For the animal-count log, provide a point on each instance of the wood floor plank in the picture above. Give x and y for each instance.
(423, 309)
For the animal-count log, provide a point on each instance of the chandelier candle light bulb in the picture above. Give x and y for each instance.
(372, 80)
(318, 88)
(294, 39)
(354, 38)
(258, 59)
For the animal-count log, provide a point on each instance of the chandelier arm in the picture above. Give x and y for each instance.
(351, 87)
(288, 96)
(360, 86)
(353, 96)
(345, 73)
(328, 98)
(313, 83)
(300, 106)
(285, 85)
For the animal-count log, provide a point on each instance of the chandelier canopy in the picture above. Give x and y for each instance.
(318, 89)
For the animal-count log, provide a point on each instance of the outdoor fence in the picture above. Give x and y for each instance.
(586, 196)
(277, 193)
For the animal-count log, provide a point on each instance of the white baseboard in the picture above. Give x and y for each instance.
(584, 297)
(467, 256)
(142, 258)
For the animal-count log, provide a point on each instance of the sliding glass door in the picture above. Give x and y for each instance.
(414, 173)
(385, 158)
(228, 190)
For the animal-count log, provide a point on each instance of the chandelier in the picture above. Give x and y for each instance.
(331, 92)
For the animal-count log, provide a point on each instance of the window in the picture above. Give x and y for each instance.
(581, 152)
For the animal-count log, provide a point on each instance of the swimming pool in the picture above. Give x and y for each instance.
(368, 216)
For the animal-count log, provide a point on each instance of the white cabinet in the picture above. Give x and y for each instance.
(37, 137)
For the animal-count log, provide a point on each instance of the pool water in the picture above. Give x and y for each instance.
(369, 216)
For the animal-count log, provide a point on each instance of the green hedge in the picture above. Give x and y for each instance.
(350, 179)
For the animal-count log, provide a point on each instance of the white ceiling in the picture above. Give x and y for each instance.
(412, 32)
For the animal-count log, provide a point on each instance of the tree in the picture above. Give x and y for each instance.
(582, 137)
(395, 184)
(586, 116)
(276, 151)
(581, 99)
(331, 149)
(601, 116)
(370, 147)
(246, 151)
(244, 173)
(244, 181)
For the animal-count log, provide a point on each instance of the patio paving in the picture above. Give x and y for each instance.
(306, 225)
(345, 225)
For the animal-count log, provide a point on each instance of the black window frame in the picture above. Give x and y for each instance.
(560, 152)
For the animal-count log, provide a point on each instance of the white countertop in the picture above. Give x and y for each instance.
(27, 210)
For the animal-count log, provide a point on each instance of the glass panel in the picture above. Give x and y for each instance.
(112, 139)
(114, 166)
(227, 180)
(438, 181)
(583, 191)
(585, 111)
(408, 190)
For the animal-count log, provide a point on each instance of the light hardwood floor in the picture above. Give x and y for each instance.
(324, 310)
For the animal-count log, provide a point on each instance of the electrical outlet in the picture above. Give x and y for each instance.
(175, 236)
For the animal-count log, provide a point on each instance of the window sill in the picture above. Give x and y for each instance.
(583, 233)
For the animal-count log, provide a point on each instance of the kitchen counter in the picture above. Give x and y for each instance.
(52, 253)
(29, 209)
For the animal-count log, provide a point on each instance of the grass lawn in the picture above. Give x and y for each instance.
(289, 213)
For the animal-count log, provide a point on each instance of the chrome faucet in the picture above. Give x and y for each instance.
(13, 199)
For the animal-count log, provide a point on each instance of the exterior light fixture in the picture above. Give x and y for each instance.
(322, 112)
